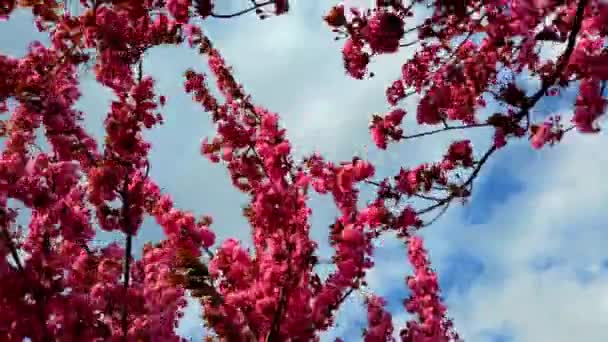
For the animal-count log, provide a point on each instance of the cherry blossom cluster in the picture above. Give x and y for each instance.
(424, 301)
(459, 55)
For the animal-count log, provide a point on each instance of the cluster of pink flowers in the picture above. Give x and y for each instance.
(386, 128)
(379, 31)
(424, 301)
(453, 80)
(63, 287)
(380, 321)
(549, 132)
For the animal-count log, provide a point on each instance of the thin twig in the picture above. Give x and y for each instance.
(35, 293)
(209, 252)
(428, 198)
(434, 219)
(12, 249)
(409, 44)
(345, 295)
(127, 256)
(576, 26)
(564, 60)
(468, 182)
(448, 128)
(275, 327)
(241, 12)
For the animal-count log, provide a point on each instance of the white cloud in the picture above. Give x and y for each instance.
(558, 216)
(292, 65)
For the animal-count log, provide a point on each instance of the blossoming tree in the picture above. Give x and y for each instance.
(55, 286)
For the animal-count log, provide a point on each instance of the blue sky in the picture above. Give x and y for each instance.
(524, 260)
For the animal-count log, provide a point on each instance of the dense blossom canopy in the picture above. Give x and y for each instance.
(55, 286)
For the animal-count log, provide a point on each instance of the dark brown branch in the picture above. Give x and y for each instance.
(409, 44)
(415, 28)
(468, 182)
(371, 182)
(564, 60)
(140, 70)
(128, 229)
(86, 248)
(448, 128)
(209, 252)
(273, 335)
(241, 12)
(275, 328)
(482, 161)
(429, 198)
(127, 257)
(443, 211)
(576, 26)
(455, 51)
(445, 123)
(345, 295)
(35, 293)
(12, 249)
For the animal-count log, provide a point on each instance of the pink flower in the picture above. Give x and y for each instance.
(378, 136)
(374, 215)
(379, 321)
(352, 235)
(407, 219)
(590, 105)
(395, 92)
(207, 236)
(459, 153)
(179, 10)
(386, 128)
(355, 59)
(362, 170)
(345, 178)
(424, 300)
(541, 136)
(384, 31)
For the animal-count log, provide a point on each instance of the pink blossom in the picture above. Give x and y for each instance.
(179, 10)
(424, 302)
(590, 106)
(355, 59)
(384, 31)
(380, 325)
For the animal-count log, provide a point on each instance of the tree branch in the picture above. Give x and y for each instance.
(564, 60)
(275, 328)
(35, 293)
(12, 249)
(468, 182)
(428, 198)
(128, 230)
(244, 11)
(127, 257)
(448, 128)
(576, 26)
(443, 211)
(409, 44)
